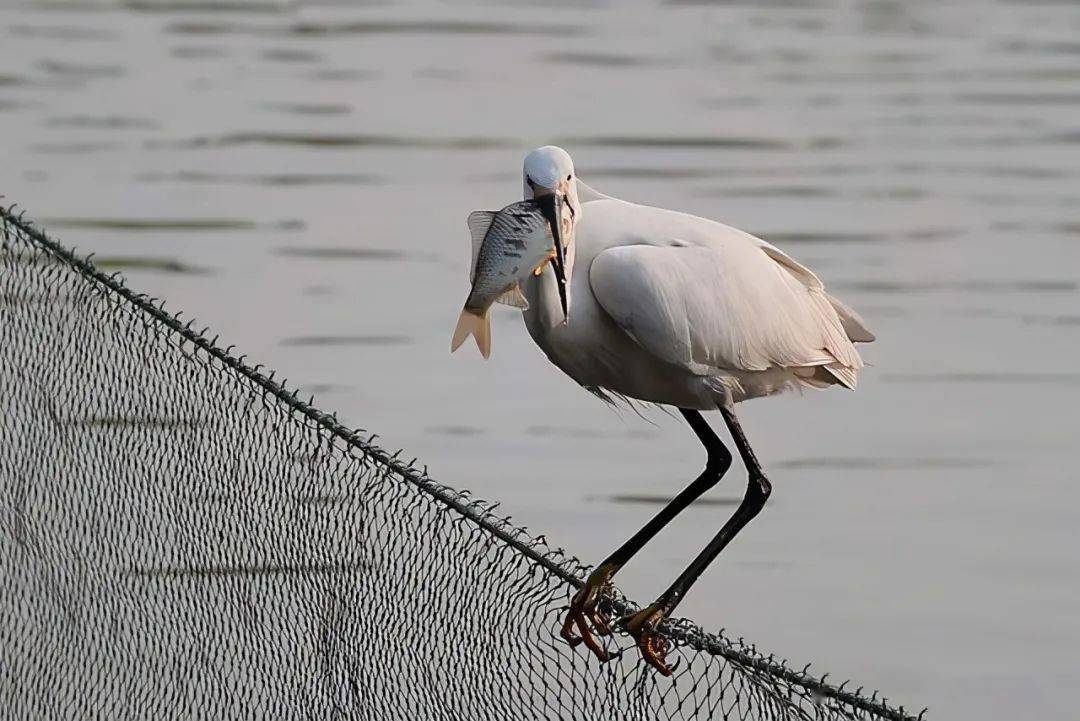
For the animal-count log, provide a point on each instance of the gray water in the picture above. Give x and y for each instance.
(296, 176)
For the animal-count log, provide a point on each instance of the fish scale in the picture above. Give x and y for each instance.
(515, 242)
(507, 246)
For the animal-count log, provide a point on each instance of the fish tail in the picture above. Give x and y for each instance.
(477, 325)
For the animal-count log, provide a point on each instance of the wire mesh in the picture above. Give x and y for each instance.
(182, 536)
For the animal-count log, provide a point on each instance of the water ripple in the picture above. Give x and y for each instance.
(987, 377)
(871, 463)
(347, 340)
(290, 55)
(277, 179)
(81, 70)
(208, 6)
(309, 108)
(598, 60)
(155, 224)
(328, 140)
(679, 142)
(107, 122)
(967, 286)
(148, 264)
(459, 431)
(312, 29)
(66, 33)
(342, 253)
(75, 147)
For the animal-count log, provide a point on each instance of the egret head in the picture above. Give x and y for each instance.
(548, 177)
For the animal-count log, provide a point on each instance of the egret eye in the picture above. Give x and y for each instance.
(568, 177)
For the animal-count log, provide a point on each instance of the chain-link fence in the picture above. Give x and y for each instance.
(182, 537)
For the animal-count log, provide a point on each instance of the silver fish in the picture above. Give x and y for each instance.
(508, 245)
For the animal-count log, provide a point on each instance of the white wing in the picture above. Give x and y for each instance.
(731, 303)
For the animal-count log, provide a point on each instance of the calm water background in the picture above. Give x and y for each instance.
(296, 175)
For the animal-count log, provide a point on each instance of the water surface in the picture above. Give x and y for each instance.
(297, 175)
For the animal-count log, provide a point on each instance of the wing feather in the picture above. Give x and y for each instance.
(853, 324)
(725, 305)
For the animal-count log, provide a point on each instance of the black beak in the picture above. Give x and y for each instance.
(551, 206)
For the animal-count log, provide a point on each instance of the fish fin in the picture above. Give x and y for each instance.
(476, 325)
(514, 297)
(479, 223)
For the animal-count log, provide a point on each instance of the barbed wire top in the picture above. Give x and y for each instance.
(181, 535)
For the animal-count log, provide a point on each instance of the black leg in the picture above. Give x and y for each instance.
(719, 460)
(583, 607)
(643, 624)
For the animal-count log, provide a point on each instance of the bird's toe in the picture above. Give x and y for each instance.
(585, 615)
(643, 627)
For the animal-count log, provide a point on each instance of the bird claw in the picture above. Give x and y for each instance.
(602, 623)
(654, 647)
(567, 632)
(577, 618)
(589, 620)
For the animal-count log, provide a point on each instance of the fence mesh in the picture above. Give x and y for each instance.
(182, 537)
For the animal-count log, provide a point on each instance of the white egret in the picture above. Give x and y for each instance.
(669, 308)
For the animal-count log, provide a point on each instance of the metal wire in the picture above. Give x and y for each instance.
(181, 535)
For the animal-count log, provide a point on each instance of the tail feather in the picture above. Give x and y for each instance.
(854, 325)
(478, 326)
(848, 377)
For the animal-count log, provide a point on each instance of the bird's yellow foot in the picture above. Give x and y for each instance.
(643, 627)
(585, 614)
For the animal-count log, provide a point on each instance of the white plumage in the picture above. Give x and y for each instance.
(672, 308)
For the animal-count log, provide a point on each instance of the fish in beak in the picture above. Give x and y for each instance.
(551, 206)
(508, 246)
